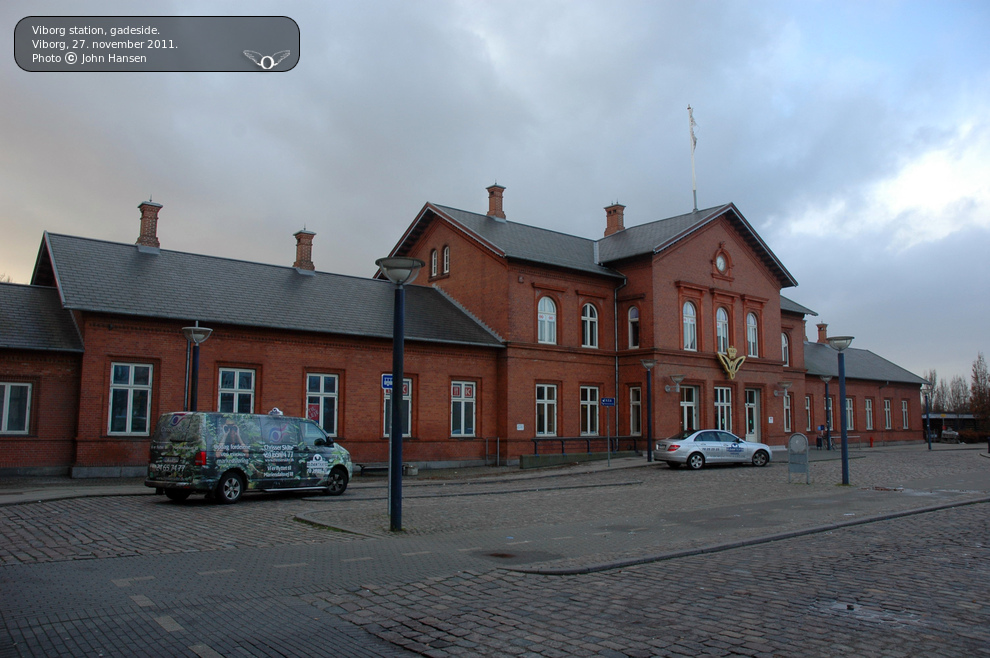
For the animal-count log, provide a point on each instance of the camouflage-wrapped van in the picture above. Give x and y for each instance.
(224, 455)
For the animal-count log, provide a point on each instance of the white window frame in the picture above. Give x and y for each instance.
(634, 327)
(888, 421)
(850, 413)
(546, 318)
(904, 415)
(318, 397)
(787, 412)
(723, 408)
(785, 349)
(752, 335)
(132, 391)
(689, 324)
(869, 414)
(807, 412)
(463, 403)
(635, 411)
(237, 392)
(546, 410)
(721, 330)
(829, 425)
(5, 394)
(689, 407)
(446, 259)
(589, 411)
(407, 397)
(433, 262)
(589, 326)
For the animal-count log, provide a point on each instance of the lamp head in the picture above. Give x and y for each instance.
(839, 343)
(649, 364)
(197, 334)
(399, 270)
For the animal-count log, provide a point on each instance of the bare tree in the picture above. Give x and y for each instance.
(936, 399)
(958, 400)
(980, 394)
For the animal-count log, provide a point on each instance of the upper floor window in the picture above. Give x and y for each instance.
(547, 321)
(15, 408)
(633, 327)
(589, 326)
(433, 263)
(321, 401)
(722, 330)
(446, 260)
(752, 335)
(236, 391)
(130, 398)
(690, 327)
(785, 349)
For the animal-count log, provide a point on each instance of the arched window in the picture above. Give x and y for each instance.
(446, 260)
(752, 335)
(547, 321)
(433, 263)
(589, 326)
(722, 330)
(690, 327)
(785, 349)
(633, 327)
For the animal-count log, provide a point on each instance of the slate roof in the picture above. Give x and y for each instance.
(820, 359)
(111, 277)
(531, 243)
(792, 306)
(32, 318)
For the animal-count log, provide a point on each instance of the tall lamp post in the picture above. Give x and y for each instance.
(649, 364)
(399, 271)
(840, 343)
(195, 335)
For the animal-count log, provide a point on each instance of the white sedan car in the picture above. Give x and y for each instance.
(699, 447)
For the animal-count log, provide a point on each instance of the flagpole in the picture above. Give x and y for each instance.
(694, 142)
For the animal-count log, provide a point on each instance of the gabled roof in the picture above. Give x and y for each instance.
(793, 307)
(32, 318)
(514, 240)
(821, 359)
(530, 243)
(110, 277)
(654, 237)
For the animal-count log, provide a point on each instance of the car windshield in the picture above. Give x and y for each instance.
(680, 436)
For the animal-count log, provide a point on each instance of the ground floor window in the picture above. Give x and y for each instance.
(15, 407)
(236, 391)
(904, 414)
(635, 411)
(869, 414)
(787, 413)
(321, 401)
(689, 407)
(850, 415)
(753, 414)
(546, 410)
(828, 413)
(407, 388)
(130, 398)
(723, 408)
(807, 412)
(888, 422)
(589, 411)
(462, 396)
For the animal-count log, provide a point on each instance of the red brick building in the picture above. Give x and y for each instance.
(514, 333)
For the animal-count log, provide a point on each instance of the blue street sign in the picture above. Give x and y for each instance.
(387, 381)
(608, 402)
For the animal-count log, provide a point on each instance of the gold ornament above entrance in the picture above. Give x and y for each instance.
(730, 362)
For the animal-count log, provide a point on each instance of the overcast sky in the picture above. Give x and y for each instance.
(854, 136)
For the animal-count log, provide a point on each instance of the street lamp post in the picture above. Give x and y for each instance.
(195, 335)
(399, 271)
(840, 343)
(649, 365)
(928, 415)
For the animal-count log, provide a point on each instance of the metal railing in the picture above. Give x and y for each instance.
(587, 441)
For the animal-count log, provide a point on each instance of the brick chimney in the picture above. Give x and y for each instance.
(822, 332)
(495, 201)
(304, 250)
(613, 219)
(149, 224)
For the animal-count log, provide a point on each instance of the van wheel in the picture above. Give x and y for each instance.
(178, 495)
(337, 482)
(229, 488)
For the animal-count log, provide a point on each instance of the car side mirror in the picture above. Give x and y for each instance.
(319, 443)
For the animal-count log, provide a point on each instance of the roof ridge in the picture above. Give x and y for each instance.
(531, 226)
(467, 312)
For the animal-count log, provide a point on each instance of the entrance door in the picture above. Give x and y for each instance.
(752, 414)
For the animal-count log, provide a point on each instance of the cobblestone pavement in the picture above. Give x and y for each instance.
(270, 576)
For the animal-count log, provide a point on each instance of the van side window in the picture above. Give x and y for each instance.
(314, 436)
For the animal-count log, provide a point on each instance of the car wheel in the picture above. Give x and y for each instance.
(229, 488)
(761, 458)
(696, 461)
(674, 464)
(337, 482)
(178, 495)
